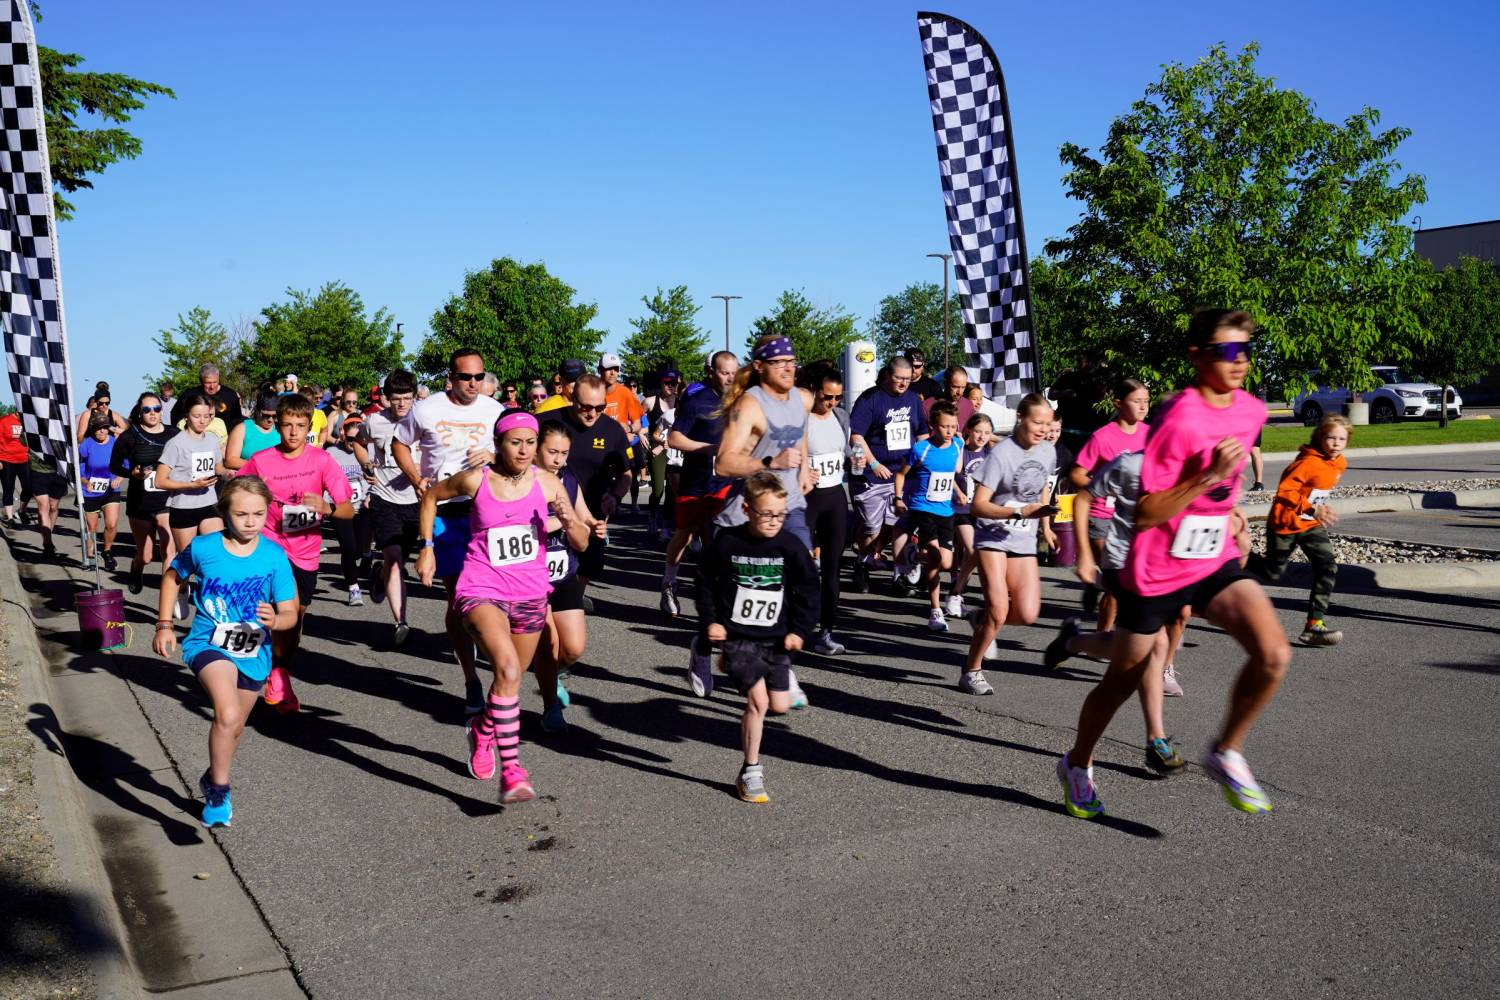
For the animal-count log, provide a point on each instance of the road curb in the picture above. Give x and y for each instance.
(180, 917)
(94, 916)
(1353, 453)
(1402, 577)
(1395, 503)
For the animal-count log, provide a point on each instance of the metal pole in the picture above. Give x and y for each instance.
(726, 299)
(947, 336)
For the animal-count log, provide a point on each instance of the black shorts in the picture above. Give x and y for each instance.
(567, 594)
(48, 484)
(93, 505)
(963, 518)
(190, 517)
(143, 509)
(394, 524)
(1146, 615)
(208, 656)
(307, 584)
(932, 526)
(749, 661)
(591, 559)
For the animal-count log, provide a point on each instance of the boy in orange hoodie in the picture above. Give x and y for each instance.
(1299, 515)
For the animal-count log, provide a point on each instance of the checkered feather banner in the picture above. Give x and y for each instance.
(977, 164)
(30, 289)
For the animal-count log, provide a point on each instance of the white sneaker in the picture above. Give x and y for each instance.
(1170, 688)
(973, 682)
(992, 651)
(799, 696)
(936, 622)
(956, 606)
(356, 597)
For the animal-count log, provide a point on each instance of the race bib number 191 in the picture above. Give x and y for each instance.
(940, 487)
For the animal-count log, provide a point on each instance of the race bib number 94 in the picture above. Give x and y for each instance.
(512, 544)
(240, 640)
(1200, 537)
(557, 564)
(756, 607)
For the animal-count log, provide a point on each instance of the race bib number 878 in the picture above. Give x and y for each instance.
(756, 607)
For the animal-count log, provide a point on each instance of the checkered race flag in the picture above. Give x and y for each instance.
(30, 290)
(977, 164)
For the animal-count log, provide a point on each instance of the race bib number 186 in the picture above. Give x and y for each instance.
(512, 544)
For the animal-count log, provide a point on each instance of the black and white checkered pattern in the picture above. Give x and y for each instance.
(30, 289)
(977, 163)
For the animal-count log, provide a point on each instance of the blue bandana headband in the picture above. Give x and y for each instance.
(780, 347)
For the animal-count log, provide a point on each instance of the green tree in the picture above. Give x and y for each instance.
(913, 317)
(323, 337)
(1219, 189)
(816, 334)
(666, 336)
(74, 152)
(522, 319)
(1463, 317)
(198, 339)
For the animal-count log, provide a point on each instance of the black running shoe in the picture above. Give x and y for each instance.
(861, 580)
(135, 585)
(1057, 649)
(1090, 600)
(110, 562)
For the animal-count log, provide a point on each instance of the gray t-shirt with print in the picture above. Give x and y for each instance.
(1018, 476)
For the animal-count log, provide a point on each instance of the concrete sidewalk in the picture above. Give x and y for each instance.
(170, 916)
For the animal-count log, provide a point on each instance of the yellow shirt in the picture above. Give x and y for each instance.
(552, 403)
(319, 424)
(215, 426)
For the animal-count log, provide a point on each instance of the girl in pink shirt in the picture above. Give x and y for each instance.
(298, 477)
(1185, 554)
(1125, 433)
(503, 586)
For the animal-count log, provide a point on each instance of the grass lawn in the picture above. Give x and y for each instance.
(1285, 437)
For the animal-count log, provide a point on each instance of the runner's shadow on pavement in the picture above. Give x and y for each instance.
(1480, 609)
(115, 775)
(1491, 669)
(657, 717)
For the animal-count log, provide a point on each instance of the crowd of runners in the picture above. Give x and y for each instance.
(760, 475)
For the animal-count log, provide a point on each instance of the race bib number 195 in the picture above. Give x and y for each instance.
(240, 640)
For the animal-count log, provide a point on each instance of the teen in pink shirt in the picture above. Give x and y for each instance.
(1185, 554)
(298, 477)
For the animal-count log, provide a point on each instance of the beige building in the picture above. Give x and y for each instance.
(1443, 246)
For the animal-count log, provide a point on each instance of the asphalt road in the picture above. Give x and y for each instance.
(1433, 467)
(1473, 528)
(914, 844)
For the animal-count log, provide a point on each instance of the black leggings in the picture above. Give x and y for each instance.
(354, 542)
(828, 523)
(12, 473)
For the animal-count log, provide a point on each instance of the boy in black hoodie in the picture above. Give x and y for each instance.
(758, 595)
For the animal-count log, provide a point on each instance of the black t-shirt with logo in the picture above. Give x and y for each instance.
(598, 456)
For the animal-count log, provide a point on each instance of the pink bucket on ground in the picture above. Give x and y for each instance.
(101, 618)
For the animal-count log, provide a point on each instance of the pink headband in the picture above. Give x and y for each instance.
(512, 419)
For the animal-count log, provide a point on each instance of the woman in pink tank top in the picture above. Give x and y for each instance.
(503, 587)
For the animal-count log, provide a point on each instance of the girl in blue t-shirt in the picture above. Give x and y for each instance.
(245, 592)
(924, 495)
(101, 493)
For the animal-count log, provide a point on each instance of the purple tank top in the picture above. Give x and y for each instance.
(506, 558)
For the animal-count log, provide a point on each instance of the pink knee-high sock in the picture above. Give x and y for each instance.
(504, 715)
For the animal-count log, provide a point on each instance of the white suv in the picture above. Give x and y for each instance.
(1397, 399)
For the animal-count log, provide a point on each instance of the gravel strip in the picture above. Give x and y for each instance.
(1377, 489)
(1355, 549)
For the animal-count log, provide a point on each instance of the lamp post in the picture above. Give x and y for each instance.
(947, 339)
(726, 299)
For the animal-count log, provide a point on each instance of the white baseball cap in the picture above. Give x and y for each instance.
(291, 378)
(609, 361)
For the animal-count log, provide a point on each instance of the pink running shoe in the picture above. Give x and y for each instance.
(515, 785)
(481, 750)
(279, 694)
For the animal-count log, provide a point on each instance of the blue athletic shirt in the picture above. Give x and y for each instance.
(890, 425)
(228, 589)
(697, 419)
(94, 459)
(929, 484)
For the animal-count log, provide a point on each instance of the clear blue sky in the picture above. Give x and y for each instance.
(739, 149)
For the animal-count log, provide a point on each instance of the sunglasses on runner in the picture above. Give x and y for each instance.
(151, 409)
(466, 376)
(828, 398)
(1229, 351)
(587, 408)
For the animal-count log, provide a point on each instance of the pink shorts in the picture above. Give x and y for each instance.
(526, 617)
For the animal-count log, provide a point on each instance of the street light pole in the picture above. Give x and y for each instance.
(726, 299)
(947, 338)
